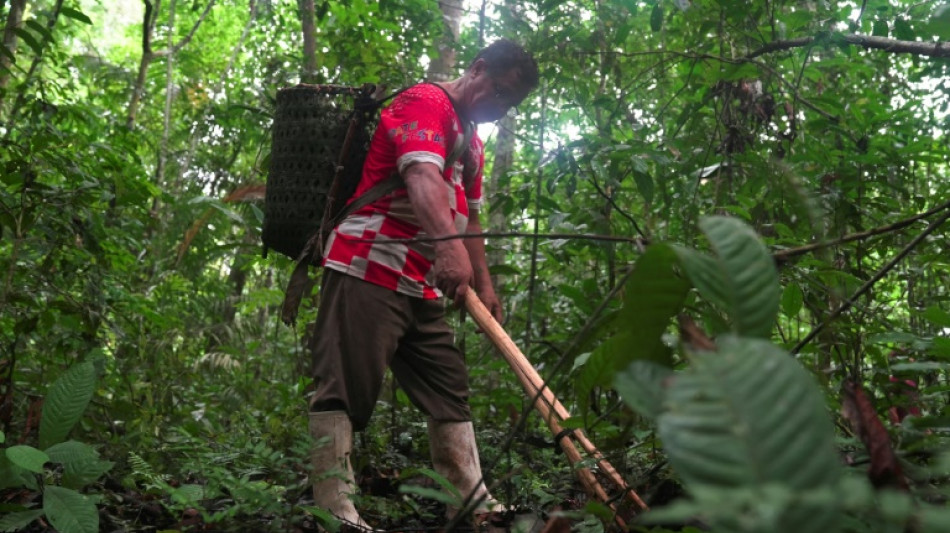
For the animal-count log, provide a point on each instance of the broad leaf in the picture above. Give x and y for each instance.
(71, 451)
(750, 415)
(27, 457)
(19, 520)
(641, 386)
(75, 14)
(447, 494)
(792, 300)
(65, 402)
(752, 290)
(70, 512)
(12, 475)
(30, 40)
(645, 185)
(653, 295)
(325, 518)
(81, 463)
(705, 274)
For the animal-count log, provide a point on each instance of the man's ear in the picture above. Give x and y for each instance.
(479, 67)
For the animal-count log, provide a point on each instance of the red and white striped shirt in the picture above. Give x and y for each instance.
(420, 126)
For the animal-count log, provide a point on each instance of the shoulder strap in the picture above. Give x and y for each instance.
(394, 181)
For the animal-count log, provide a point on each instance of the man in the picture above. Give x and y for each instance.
(381, 301)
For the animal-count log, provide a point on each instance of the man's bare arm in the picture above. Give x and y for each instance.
(429, 197)
(476, 252)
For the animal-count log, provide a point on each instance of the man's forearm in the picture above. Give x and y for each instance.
(476, 252)
(430, 199)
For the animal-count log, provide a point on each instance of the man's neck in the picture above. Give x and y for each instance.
(455, 89)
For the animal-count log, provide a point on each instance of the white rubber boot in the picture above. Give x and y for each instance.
(333, 479)
(455, 457)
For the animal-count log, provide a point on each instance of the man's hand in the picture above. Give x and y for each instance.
(453, 269)
(492, 303)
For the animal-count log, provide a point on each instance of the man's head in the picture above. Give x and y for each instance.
(500, 77)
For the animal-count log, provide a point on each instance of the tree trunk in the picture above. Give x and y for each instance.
(14, 19)
(307, 14)
(442, 68)
(169, 96)
(148, 26)
(496, 190)
(21, 95)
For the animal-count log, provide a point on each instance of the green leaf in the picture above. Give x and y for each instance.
(325, 518)
(641, 385)
(939, 24)
(188, 494)
(430, 493)
(75, 14)
(741, 72)
(940, 347)
(9, 55)
(65, 402)
(937, 316)
(752, 288)
(29, 40)
(896, 337)
(598, 369)
(17, 521)
(705, 274)
(919, 366)
(903, 31)
(71, 451)
(40, 29)
(12, 475)
(792, 300)
(656, 18)
(70, 512)
(27, 457)
(933, 519)
(653, 295)
(880, 29)
(645, 185)
(504, 270)
(81, 463)
(448, 494)
(750, 416)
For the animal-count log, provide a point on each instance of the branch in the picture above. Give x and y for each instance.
(870, 283)
(181, 44)
(639, 241)
(147, 25)
(194, 28)
(931, 49)
(794, 252)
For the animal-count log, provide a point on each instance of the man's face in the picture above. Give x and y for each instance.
(493, 96)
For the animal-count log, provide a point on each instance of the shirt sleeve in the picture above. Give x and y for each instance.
(473, 182)
(417, 124)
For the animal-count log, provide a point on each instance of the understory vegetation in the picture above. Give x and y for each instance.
(718, 229)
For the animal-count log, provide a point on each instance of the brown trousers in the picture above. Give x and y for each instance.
(362, 329)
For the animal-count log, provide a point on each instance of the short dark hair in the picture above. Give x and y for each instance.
(504, 55)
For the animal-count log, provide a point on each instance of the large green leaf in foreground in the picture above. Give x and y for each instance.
(70, 512)
(65, 402)
(750, 416)
(741, 278)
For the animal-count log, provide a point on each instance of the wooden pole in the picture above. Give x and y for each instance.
(551, 410)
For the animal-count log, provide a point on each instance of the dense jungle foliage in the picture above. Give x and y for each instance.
(717, 228)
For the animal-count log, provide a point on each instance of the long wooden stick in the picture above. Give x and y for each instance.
(551, 410)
